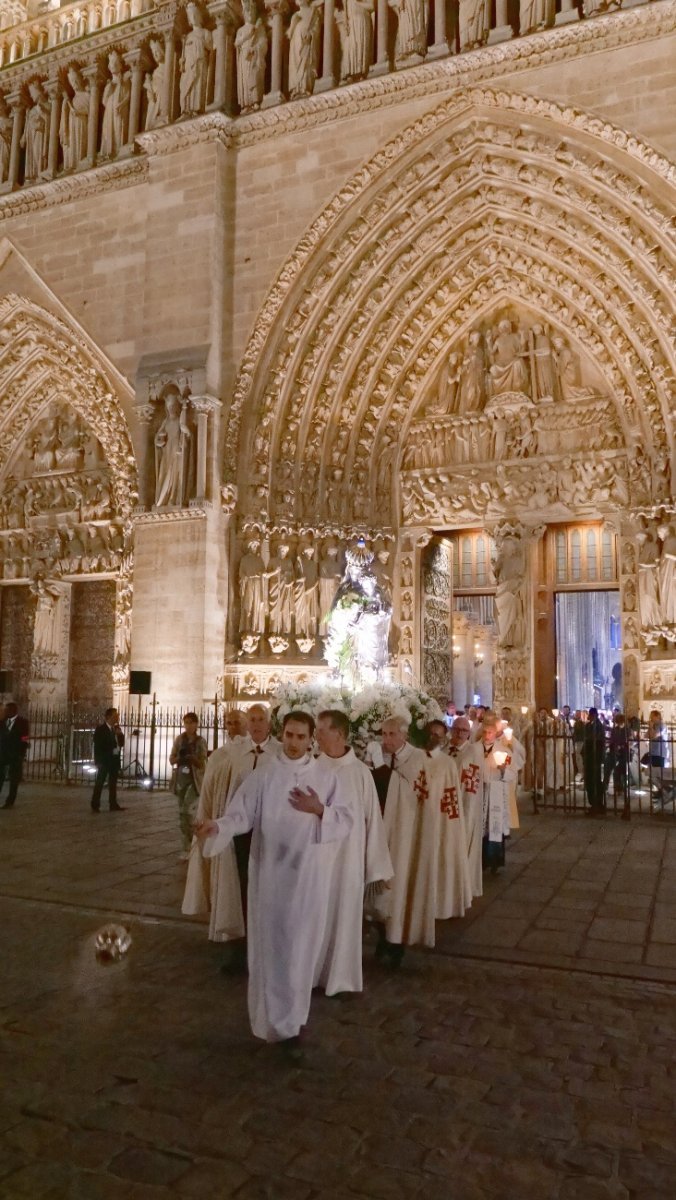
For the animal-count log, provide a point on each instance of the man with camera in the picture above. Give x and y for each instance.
(189, 759)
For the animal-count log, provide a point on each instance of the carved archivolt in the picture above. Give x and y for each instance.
(491, 201)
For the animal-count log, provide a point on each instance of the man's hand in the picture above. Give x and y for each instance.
(307, 802)
(205, 829)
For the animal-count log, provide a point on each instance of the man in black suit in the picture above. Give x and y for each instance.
(13, 749)
(108, 743)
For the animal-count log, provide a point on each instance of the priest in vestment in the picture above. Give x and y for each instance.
(362, 858)
(219, 886)
(293, 808)
(408, 908)
(453, 885)
(487, 768)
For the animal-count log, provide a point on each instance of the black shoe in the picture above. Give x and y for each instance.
(292, 1049)
(116, 807)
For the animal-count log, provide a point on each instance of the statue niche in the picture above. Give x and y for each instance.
(174, 450)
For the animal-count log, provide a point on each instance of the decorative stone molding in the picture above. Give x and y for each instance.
(198, 513)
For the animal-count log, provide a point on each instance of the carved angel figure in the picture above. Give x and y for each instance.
(74, 121)
(35, 138)
(251, 48)
(197, 46)
(355, 24)
(474, 19)
(304, 34)
(411, 28)
(116, 97)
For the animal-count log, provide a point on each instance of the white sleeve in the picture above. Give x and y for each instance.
(338, 818)
(240, 817)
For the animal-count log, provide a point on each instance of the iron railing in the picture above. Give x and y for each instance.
(620, 775)
(61, 746)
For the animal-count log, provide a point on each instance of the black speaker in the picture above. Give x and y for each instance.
(140, 683)
(6, 681)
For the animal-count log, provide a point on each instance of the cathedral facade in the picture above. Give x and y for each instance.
(275, 276)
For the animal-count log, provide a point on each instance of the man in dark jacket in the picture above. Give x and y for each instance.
(108, 743)
(593, 755)
(13, 749)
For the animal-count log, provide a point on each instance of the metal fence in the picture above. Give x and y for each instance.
(626, 776)
(61, 746)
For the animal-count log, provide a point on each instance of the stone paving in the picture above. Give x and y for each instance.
(460, 1078)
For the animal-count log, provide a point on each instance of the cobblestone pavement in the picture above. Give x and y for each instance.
(455, 1079)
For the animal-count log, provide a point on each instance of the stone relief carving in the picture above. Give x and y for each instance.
(172, 450)
(306, 593)
(6, 126)
(115, 102)
(304, 34)
(251, 46)
(535, 14)
(510, 565)
(410, 45)
(474, 18)
(195, 59)
(154, 85)
(253, 597)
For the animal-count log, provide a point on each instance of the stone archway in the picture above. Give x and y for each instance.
(68, 483)
(491, 204)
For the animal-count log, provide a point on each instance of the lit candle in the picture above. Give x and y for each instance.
(500, 757)
(524, 710)
(508, 733)
(555, 712)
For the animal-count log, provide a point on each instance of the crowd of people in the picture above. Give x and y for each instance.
(298, 841)
(601, 752)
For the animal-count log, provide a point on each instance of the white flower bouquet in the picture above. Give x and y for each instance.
(366, 709)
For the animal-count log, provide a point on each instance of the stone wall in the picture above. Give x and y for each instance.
(17, 615)
(92, 632)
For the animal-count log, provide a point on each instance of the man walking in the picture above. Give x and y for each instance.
(14, 742)
(108, 743)
(189, 759)
(293, 809)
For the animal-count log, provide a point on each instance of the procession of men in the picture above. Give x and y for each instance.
(298, 842)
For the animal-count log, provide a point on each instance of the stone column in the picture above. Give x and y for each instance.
(169, 68)
(570, 13)
(134, 60)
(382, 64)
(328, 78)
(502, 30)
(54, 91)
(407, 614)
(276, 10)
(93, 76)
(203, 405)
(441, 45)
(461, 659)
(16, 104)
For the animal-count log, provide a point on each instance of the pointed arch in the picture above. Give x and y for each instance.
(490, 199)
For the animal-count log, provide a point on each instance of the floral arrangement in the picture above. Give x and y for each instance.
(366, 709)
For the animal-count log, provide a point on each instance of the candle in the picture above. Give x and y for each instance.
(508, 733)
(500, 757)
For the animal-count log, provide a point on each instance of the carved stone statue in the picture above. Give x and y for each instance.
(307, 593)
(251, 47)
(446, 398)
(667, 573)
(544, 366)
(252, 589)
(474, 19)
(154, 84)
(6, 124)
(69, 440)
(47, 630)
(507, 349)
(115, 100)
(648, 594)
(171, 451)
(43, 446)
(304, 34)
(411, 39)
(535, 14)
(197, 46)
(281, 590)
(35, 137)
(471, 389)
(329, 578)
(74, 121)
(509, 566)
(566, 368)
(355, 23)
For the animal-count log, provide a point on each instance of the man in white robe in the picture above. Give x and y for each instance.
(218, 887)
(453, 886)
(293, 808)
(362, 858)
(487, 768)
(408, 908)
